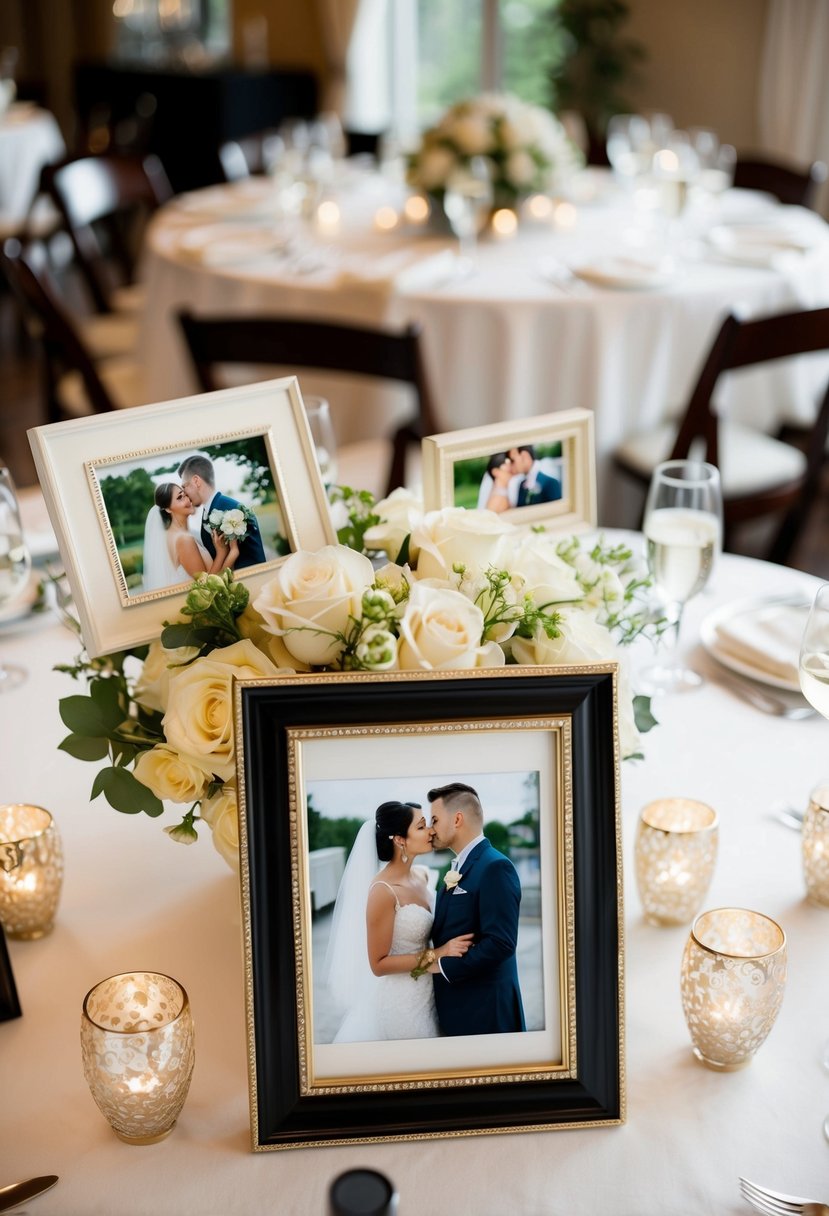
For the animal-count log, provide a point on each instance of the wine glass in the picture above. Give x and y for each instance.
(318, 413)
(628, 145)
(683, 530)
(467, 200)
(15, 564)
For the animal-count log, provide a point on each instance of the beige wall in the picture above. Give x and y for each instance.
(703, 64)
(293, 34)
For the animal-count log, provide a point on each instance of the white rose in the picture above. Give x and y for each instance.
(434, 168)
(441, 630)
(583, 640)
(152, 685)
(251, 625)
(234, 522)
(399, 514)
(221, 815)
(473, 539)
(520, 169)
(547, 577)
(311, 598)
(471, 134)
(170, 774)
(199, 717)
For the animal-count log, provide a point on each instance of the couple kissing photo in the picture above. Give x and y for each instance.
(435, 931)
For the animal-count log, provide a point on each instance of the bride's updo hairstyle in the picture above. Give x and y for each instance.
(163, 497)
(392, 819)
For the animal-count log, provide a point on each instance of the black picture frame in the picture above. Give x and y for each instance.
(578, 705)
(9, 1003)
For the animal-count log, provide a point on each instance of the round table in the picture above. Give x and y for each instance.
(515, 338)
(134, 899)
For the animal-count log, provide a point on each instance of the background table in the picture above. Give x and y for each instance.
(507, 342)
(133, 899)
(29, 139)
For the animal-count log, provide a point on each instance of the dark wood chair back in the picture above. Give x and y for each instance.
(110, 193)
(743, 344)
(793, 186)
(50, 326)
(300, 343)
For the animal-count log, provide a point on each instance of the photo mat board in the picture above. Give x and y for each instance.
(92, 469)
(562, 490)
(566, 1069)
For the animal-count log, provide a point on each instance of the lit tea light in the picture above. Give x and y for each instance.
(386, 219)
(540, 207)
(504, 222)
(31, 871)
(328, 216)
(416, 209)
(565, 215)
(666, 161)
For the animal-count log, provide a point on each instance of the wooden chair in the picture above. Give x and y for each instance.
(294, 343)
(790, 185)
(73, 384)
(108, 194)
(761, 475)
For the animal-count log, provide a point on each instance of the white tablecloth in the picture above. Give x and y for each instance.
(133, 899)
(506, 342)
(29, 139)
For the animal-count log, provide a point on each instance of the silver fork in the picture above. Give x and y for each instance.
(774, 1203)
(765, 701)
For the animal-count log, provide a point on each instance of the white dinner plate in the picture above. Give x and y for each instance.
(758, 244)
(713, 644)
(228, 244)
(627, 273)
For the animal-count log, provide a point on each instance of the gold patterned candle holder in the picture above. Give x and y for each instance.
(675, 853)
(816, 845)
(31, 871)
(137, 1044)
(732, 981)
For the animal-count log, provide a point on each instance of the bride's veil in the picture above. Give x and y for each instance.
(346, 969)
(159, 570)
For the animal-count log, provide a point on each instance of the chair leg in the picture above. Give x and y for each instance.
(397, 469)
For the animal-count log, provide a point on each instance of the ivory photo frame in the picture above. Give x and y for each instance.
(101, 475)
(539, 471)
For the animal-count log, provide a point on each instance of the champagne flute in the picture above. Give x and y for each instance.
(683, 530)
(15, 564)
(318, 413)
(467, 201)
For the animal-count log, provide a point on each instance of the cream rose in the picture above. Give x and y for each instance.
(546, 576)
(453, 537)
(583, 640)
(199, 717)
(171, 774)
(152, 685)
(311, 599)
(399, 514)
(251, 625)
(221, 815)
(441, 630)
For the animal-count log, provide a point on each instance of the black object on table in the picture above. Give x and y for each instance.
(9, 1004)
(362, 1193)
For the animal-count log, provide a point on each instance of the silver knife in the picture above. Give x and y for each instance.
(19, 1192)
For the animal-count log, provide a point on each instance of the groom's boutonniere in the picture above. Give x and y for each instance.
(451, 879)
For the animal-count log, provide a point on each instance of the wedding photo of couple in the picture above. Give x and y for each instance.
(518, 475)
(409, 957)
(185, 513)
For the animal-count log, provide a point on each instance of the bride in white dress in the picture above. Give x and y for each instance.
(172, 553)
(394, 909)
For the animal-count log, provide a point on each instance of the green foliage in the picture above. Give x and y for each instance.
(597, 62)
(359, 506)
(253, 454)
(330, 833)
(498, 836)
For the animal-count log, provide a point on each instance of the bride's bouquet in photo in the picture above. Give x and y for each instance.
(462, 589)
(232, 524)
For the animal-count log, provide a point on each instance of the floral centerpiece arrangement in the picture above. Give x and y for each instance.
(525, 146)
(465, 589)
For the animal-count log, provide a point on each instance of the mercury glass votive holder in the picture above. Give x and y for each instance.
(137, 1045)
(816, 845)
(732, 981)
(31, 871)
(675, 853)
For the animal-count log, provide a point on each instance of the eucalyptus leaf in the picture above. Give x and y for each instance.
(642, 715)
(84, 747)
(83, 716)
(403, 556)
(107, 693)
(125, 793)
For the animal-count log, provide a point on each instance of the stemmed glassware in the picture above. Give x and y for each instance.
(318, 414)
(15, 564)
(683, 531)
(467, 201)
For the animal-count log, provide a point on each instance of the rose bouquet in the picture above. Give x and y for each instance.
(231, 524)
(465, 589)
(526, 147)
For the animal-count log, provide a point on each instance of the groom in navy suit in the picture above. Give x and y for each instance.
(198, 481)
(536, 486)
(477, 993)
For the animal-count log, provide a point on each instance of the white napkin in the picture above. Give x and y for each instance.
(767, 638)
(402, 271)
(627, 271)
(762, 244)
(226, 245)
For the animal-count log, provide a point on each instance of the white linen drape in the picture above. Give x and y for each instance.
(337, 19)
(794, 83)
